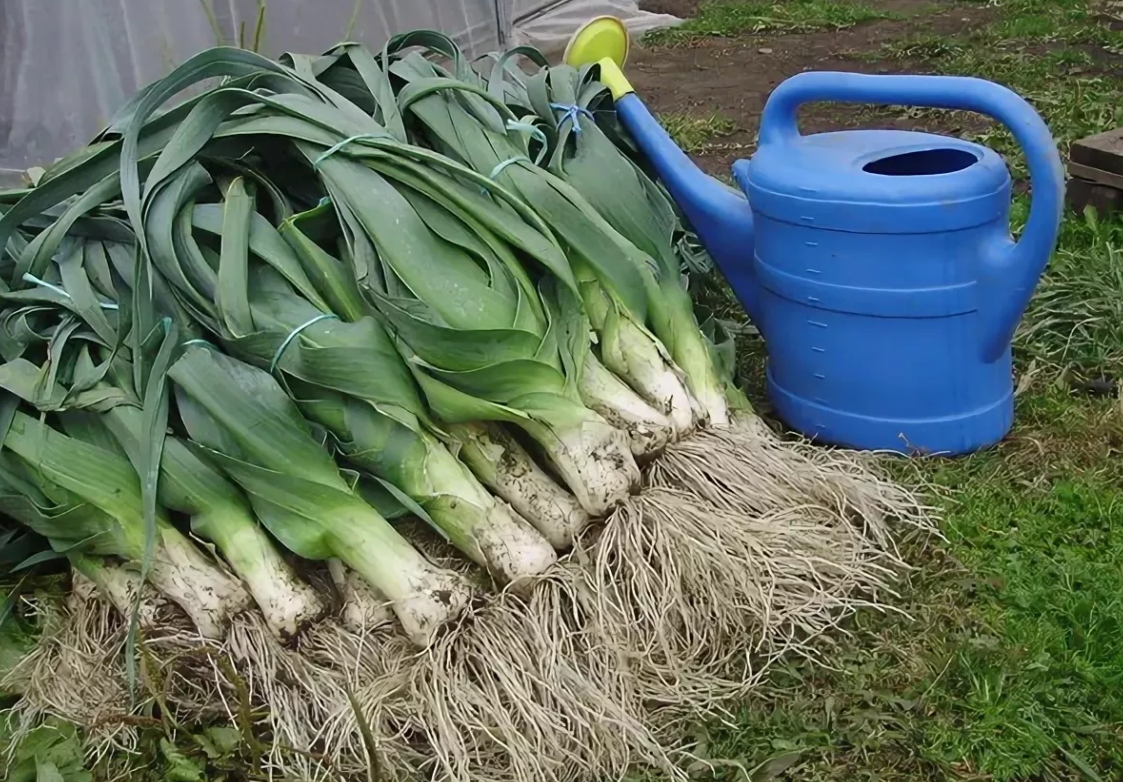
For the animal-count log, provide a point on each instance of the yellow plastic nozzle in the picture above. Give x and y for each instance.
(612, 77)
(603, 40)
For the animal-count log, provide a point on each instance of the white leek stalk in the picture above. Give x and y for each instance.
(504, 466)
(648, 430)
(253, 431)
(638, 358)
(100, 494)
(97, 576)
(592, 457)
(490, 534)
(397, 449)
(219, 513)
(288, 604)
(208, 594)
(363, 608)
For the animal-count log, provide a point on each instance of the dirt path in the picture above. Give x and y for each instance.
(733, 76)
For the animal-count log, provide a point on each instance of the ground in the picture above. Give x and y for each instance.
(1002, 659)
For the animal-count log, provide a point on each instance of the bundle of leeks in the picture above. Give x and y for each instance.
(335, 289)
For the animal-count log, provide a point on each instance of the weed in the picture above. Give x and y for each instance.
(928, 47)
(1075, 320)
(694, 133)
(729, 19)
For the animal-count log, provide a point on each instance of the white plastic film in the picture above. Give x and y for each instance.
(67, 65)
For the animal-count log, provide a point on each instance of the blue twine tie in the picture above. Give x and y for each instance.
(293, 334)
(572, 113)
(534, 132)
(29, 277)
(357, 137)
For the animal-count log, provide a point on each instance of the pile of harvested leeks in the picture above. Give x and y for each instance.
(421, 320)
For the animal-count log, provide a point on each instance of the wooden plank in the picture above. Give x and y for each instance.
(1103, 151)
(1105, 200)
(1096, 175)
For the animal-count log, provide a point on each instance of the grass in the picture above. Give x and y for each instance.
(730, 19)
(694, 133)
(1004, 659)
(1009, 667)
(1075, 321)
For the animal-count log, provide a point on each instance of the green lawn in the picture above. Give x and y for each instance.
(737, 18)
(1004, 660)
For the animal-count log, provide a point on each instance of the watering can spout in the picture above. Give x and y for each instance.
(719, 214)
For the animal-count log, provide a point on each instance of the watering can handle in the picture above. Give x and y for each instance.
(1010, 271)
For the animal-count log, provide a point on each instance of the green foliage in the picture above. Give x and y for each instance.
(51, 752)
(728, 19)
(179, 767)
(1075, 322)
(694, 133)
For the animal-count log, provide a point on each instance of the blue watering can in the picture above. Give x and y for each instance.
(877, 264)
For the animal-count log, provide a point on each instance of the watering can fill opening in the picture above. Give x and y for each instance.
(925, 162)
(877, 264)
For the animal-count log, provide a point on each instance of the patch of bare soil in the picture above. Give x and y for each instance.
(734, 76)
(680, 8)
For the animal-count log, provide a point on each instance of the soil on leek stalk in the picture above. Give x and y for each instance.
(1006, 661)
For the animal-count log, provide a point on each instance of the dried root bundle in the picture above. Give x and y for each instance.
(747, 468)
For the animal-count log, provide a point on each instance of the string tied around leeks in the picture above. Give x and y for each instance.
(572, 113)
(294, 334)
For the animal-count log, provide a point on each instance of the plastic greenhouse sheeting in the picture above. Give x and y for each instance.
(67, 65)
(548, 24)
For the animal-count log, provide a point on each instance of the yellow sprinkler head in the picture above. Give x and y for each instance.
(603, 40)
(598, 38)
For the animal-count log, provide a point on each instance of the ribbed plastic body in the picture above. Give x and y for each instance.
(878, 264)
(867, 288)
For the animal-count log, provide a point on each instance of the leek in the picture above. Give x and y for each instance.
(420, 466)
(219, 513)
(636, 207)
(506, 468)
(248, 425)
(363, 607)
(648, 430)
(121, 587)
(87, 499)
(474, 329)
(475, 133)
(349, 377)
(494, 457)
